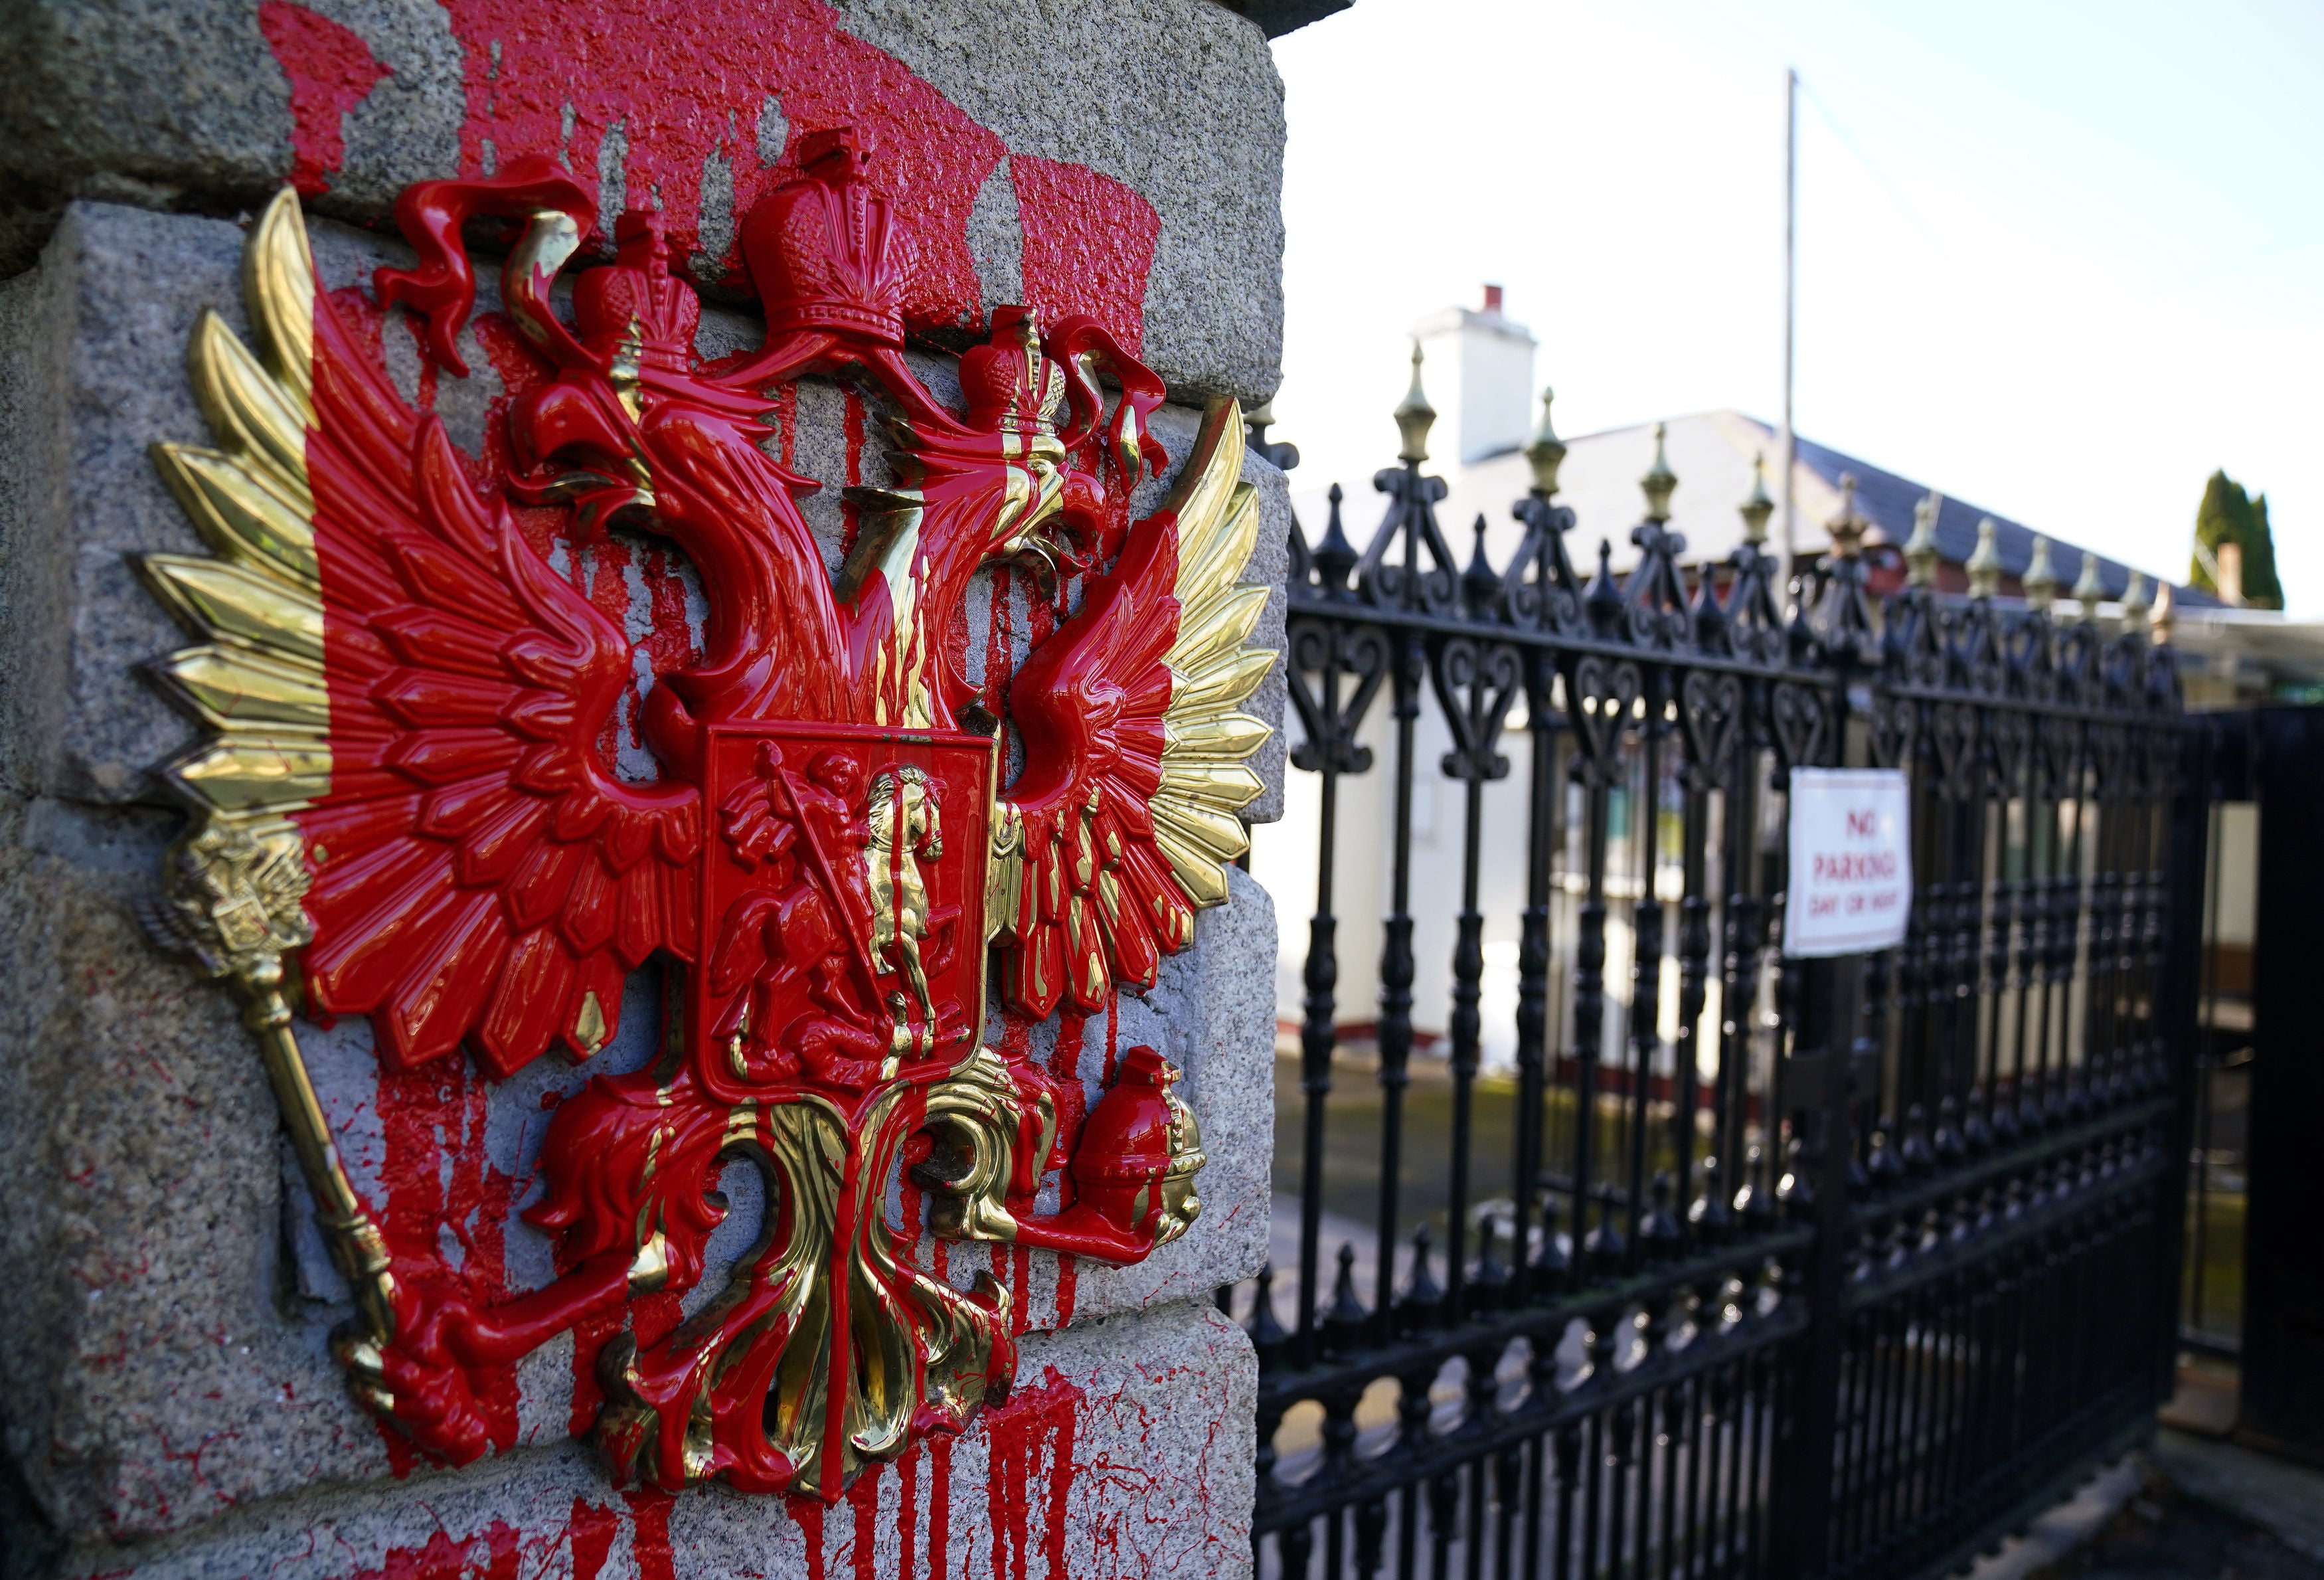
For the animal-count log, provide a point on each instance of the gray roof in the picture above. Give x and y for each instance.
(1888, 502)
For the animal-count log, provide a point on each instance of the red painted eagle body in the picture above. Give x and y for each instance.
(407, 702)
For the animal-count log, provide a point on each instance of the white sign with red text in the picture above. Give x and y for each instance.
(1851, 883)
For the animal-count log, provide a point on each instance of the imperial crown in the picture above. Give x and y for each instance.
(824, 252)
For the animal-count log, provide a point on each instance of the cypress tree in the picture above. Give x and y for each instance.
(2229, 516)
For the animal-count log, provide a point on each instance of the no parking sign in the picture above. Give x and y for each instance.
(1851, 879)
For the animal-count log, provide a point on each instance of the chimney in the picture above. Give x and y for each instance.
(2230, 578)
(1481, 378)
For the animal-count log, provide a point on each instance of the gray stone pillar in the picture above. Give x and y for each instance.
(168, 1403)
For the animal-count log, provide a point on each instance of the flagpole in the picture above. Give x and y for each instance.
(1790, 212)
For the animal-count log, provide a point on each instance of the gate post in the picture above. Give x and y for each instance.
(1820, 1083)
(787, 192)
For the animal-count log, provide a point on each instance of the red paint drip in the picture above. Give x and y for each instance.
(331, 71)
(852, 422)
(1112, 1033)
(718, 67)
(650, 1544)
(787, 419)
(441, 1558)
(908, 1508)
(939, 1505)
(1035, 1419)
(864, 1498)
(594, 1529)
(1069, 1282)
(807, 1513)
(1089, 244)
(439, 1185)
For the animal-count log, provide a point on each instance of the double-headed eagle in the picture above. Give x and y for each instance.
(402, 806)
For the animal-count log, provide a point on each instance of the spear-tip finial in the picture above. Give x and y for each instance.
(1415, 416)
(2041, 577)
(2165, 613)
(1544, 452)
(1757, 507)
(1985, 563)
(2137, 602)
(2089, 588)
(1921, 548)
(1847, 529)
(1658, 483)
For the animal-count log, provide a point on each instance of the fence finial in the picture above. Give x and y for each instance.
(2136, 601)
(2041, 577)
(1544, 452)
(2089, 588)
(1985, 564)
(2165, 613)
(1415, 416)
(1847, 528)
(1757, 507)
(1658, 483)
(1921, 548)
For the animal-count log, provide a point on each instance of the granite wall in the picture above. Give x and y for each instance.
(167, 1404)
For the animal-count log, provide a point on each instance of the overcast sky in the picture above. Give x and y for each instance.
(2060, 261)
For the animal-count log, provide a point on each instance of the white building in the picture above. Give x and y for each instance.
(1479, 368)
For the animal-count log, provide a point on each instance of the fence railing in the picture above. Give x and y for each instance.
(1781, 1267)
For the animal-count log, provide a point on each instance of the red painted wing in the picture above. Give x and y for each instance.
(1134, 745)
(479, 875)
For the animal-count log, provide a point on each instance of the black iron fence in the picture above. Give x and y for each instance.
(1784, 1268)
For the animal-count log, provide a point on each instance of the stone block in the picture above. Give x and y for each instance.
(1125, 1451)
(1123, 160)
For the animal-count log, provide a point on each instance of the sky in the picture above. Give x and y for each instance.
(2060, 261)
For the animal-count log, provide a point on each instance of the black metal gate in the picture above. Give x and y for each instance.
(1828, 1267)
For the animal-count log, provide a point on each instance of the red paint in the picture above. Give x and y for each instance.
(713, 64)
(908, 1509)
(1034, 1422)
(807, 1513)
(439, 1559)
(493, 878)
(594, 1529)
(1089, 243)
(851, 427)
(864, 1498)
(649, 1536)
(939, 1506)
(331, 71)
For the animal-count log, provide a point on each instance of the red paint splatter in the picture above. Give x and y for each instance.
(719, 67)
(864, 1498)
(594, 1529)
(331, 70)
(1035, 1419)
(439, 1187)
(1089, 244)
(650, 1544)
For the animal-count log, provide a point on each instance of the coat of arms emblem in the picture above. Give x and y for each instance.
(402, 810)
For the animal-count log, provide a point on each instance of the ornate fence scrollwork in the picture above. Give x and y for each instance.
(1596, 1355)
